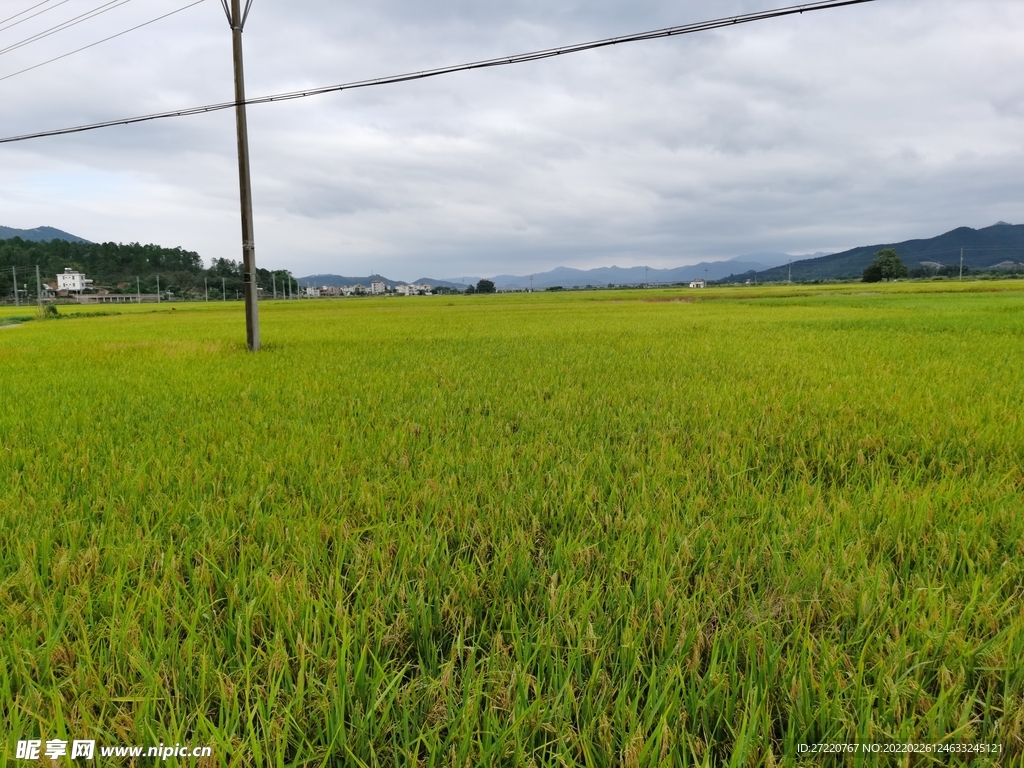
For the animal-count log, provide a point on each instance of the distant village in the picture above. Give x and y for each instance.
(113, 273)
(72, 284)
(376, 288)
(76, 285)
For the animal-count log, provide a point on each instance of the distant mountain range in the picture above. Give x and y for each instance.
(568, 277)
(40, 234)
(982, 249)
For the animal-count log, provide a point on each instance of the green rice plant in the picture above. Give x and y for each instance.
(639, 528)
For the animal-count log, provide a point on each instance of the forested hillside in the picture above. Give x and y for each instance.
(982, 249)
(116, 267)
(38, 234)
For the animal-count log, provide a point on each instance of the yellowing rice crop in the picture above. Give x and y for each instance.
(587, 528)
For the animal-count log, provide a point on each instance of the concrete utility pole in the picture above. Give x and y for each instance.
(223, 291)
(236, 19)
(158, 289)
(790, 273)
(206, 288)
(14, 278)
(273, 277)
(961, 263)
(39, 288)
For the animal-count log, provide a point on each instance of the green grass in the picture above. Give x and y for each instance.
(611, 528)
(6, 319)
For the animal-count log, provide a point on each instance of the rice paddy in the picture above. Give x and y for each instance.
(637, 528)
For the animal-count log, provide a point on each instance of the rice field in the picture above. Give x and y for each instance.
(618, 528)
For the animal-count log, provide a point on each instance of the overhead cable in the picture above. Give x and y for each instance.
(40, 13)
(22, 13)
(98, 11)
(521, 58)
(93, 45)
(245, 13)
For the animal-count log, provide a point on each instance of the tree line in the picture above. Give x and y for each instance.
(125, 268)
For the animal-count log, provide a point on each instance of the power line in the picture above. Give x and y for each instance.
(993, 247)
(521, 58)
(227, 12)
(22, 13)
(93, 45)
(74, 21)
(32, 16)
(957, 249)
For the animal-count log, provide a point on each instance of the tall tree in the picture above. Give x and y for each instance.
(886, 266)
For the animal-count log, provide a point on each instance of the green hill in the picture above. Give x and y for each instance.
(982, 249)
(40, 234)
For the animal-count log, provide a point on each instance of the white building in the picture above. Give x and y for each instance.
(73, 282)
(413, 289)
(698, 284)
(312, 292)
(378, 287)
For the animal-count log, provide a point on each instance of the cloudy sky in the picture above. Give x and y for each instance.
(874, 123)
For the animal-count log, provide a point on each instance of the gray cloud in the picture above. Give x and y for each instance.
(817, 132)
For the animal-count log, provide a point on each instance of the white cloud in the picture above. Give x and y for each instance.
(816, 132)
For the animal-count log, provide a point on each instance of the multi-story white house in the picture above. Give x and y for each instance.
(73, 282)
(378, 287)
(413, 289)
